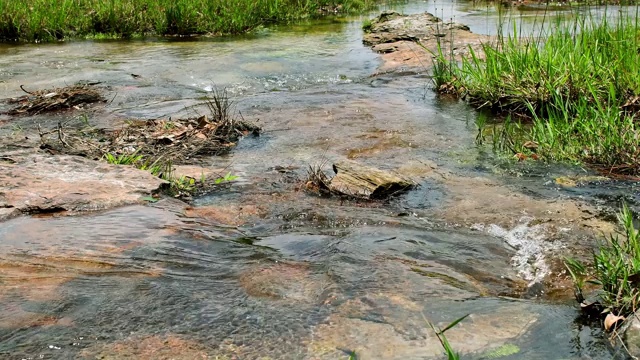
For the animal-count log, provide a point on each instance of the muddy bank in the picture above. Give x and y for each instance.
(409, 42)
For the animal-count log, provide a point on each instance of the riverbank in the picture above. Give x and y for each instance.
(570, 94)
(37, 21)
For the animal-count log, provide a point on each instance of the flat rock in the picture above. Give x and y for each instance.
(409, 41)
(44, 184)
(361, 181)
(479, 333)
(391, 27)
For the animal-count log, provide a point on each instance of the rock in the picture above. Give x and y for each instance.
(411, 40)
(198, 172)
(360, 181)
(391, 27)
(631, 335)
(168, 346)
(479, 333)
(284, 281)
(45, 184)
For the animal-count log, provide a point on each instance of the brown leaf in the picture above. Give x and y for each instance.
(203, 121)
(531, 145)
(521, 156)
(611, 320)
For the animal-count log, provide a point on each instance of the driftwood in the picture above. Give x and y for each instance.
(359, 181)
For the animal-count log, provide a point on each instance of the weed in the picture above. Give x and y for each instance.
(123, 159)
(451, 354)
(616, 269)
(182, 184)
(227, 178)
(366, 25)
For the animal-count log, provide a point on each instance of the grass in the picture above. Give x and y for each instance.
(572, 95)
(367, 24)
(440, 334)
(178, 185)
(50, 20)
(123, 159)
(615, 269)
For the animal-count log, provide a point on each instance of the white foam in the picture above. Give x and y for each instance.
(530, 243)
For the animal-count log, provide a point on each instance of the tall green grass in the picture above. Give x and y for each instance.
(576, 89)
(47, 20)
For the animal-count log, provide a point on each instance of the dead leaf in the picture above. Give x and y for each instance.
(521, 156)
(531, 145)
(611, 320)
(203, 121)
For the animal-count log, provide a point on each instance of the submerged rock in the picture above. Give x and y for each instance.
(479, 333)
(48, 184)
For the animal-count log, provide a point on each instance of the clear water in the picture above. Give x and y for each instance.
(300, 277)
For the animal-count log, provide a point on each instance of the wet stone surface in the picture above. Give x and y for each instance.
(264, 269)
(408, 42)
(47, 184)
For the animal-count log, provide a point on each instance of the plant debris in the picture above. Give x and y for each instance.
(176, 141)
(158, 141)
(70, 97)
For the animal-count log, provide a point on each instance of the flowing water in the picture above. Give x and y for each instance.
(262, 269)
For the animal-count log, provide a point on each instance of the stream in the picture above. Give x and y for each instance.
(260, 268)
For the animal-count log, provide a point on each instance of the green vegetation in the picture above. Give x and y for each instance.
(123, 159)
(451, 355)
(572, 94)
(502, 351)
(49, 20)
(366, 25)
(178, 185)
(615, 269)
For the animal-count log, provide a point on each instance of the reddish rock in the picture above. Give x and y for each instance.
(45, 184)
(408, 42)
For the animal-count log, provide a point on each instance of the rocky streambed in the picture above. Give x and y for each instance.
(95, 262)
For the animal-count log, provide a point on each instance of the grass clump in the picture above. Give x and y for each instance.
(577, 91)
(367, 25)
(49, 20)
(615, 269)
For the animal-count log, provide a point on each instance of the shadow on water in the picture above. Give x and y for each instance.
(263, 268)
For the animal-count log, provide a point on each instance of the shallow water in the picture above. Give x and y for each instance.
(264, 269)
